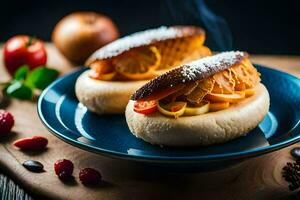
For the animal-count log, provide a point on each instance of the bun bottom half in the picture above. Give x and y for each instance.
(206, 129)
(105, 97)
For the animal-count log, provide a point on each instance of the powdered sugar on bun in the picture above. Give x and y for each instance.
(144, 38)
(210, 64)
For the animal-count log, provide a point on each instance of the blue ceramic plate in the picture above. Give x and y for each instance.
(109, 135)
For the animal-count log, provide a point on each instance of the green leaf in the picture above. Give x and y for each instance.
(18, 90)
(21, 73)
(41, 77)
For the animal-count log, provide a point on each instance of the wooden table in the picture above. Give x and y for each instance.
(258, 178)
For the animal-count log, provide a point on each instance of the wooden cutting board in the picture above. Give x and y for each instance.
(258, 178)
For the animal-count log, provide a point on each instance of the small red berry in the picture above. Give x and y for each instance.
(63, 169)
(6, 122)
(89, 176)
(64, 176)
(32, 143)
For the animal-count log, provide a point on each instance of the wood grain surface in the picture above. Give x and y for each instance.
(258, 178)
(10, 190)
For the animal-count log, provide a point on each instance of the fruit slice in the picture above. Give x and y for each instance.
(246, 73)
(197, 110)
(102, 70)
(145, 107)
(174, 109)
(203, 88)
(108, 76)
(139, 63)
(249, 92)
(218, 106)
(231, 98)
(103, 77)
(240, 86)
(225, 81)
(182, 49)
(186, 90)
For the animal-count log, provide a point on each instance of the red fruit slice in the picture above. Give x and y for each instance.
(31, 143)
(145, 107)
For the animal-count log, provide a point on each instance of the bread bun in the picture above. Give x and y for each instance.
(105, 96)
(146, 38)
(206, 129)
(173, 44)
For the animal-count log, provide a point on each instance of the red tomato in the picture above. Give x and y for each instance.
(145, 107)
(22, 49)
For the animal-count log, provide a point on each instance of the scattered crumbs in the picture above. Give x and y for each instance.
(222, 60)
(137, 39)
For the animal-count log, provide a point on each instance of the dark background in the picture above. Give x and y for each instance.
(265, 27)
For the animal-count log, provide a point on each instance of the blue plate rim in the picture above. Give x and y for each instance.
(161, 158)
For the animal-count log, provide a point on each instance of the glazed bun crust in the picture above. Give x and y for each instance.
(207, 129)
(103, 97)
(144, 38)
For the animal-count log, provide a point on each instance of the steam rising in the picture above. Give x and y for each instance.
(196, 12)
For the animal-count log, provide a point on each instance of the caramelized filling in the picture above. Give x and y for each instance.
(214, 93)
(149, 61)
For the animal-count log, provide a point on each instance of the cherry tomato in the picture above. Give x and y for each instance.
(24, 50)
(145, 107)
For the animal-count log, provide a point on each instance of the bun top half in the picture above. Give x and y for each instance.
(144, 38)
(190, 72)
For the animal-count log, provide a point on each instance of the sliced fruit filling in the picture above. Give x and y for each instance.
(149, 61)
(214, 93)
